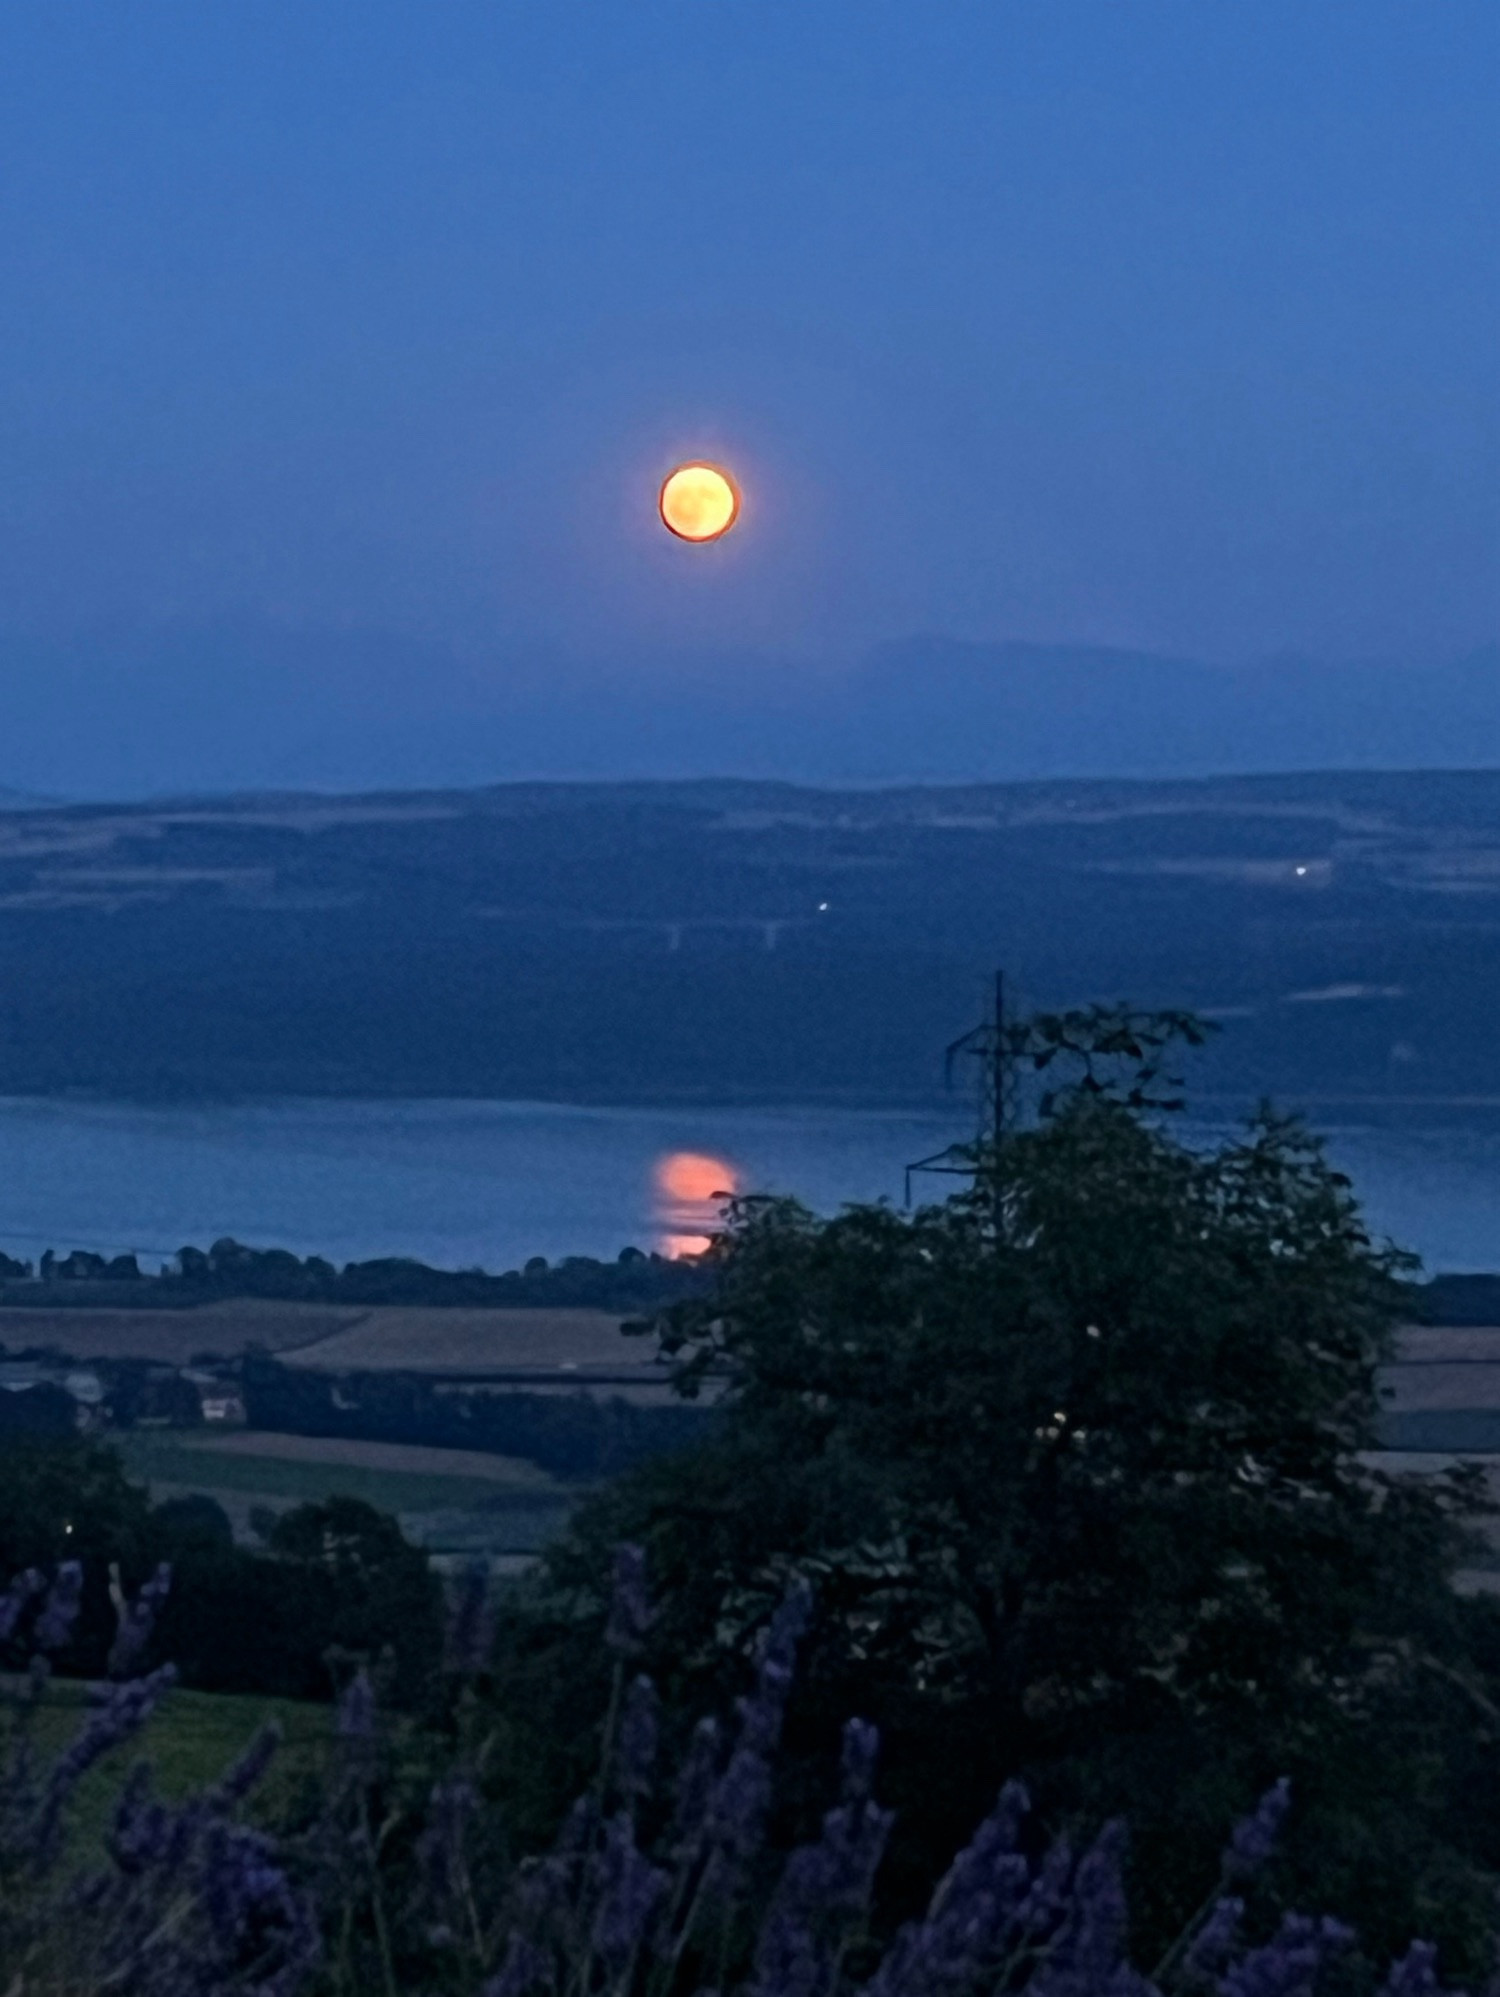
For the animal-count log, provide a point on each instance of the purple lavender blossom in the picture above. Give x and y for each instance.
(635, 1751)
(1087, 1953)
(1289, 1963)
(54, 1626)
(138, 1832)
(470, 1634)
(1214, 1942)
(136, 1620)
(245, 1774)
(974, 1910)
(1046, 1898)
(23, 1589)
(735, 1812)
(861, 1751)
(737, 1808)
(629, 1609)
(123, 1712)
(440, 1849)
(525, 1968)
(1255, 1837)
(629, 1889)
(695, 1786)
(354, 1718)
(1414, 1975)
(266, 1932)
(824, 1894)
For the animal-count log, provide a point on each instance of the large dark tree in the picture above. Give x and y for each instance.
(1075, 1463)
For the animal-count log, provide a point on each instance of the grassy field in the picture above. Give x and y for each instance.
(455, 1501)
(341, 1452)
(191, 1740)
(305, 1472)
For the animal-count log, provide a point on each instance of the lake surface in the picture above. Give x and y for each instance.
(460, 1184)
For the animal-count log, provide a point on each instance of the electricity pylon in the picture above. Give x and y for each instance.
(987, 1044)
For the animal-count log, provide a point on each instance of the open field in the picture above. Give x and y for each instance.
(1442, 1385)
(336, 1452)
(420, 1339)
(448, 1500)
(318, 1468)
(173, 1337)
(1442, 1395)
(1431, 1344)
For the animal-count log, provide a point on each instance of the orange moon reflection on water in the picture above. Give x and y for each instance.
(689, 1187)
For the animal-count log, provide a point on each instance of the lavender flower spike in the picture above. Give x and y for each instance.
(24, 1587)
(629, 1608)
(1289, 1963)
(54, 1626)
(1415, 1975)
(1214, 1941)
(354, 1718)
(635, 1753)
(1255, 1837)
(125, 1709)
(525, 1968)
(1087, 1955)
(134, 1621)
(470, 1634)
(630, 1889)
(825, 1890)
(244, 1775)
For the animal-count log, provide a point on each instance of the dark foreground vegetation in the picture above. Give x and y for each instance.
(1059, 1483)
(375, 1880)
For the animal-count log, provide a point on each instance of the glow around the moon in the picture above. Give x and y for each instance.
(699, 502)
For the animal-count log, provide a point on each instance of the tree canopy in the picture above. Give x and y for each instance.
(1075, 1461)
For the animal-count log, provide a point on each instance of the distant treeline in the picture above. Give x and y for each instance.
(634, 1281)
(572, 1435)
(331, 1576)
(1457, 1300)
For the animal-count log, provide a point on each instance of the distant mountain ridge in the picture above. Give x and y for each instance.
(256, 706)
(938, 709)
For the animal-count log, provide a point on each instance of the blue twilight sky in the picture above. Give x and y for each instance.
(342, 347)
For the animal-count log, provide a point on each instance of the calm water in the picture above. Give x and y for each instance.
(460, 1184)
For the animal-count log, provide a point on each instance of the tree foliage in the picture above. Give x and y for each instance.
(1075, 1464)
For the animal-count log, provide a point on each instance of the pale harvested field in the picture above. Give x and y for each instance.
(173, 1337)
(451, 1500)
(1440, 1388)
(1450, 1341)
(1430, 1462)
(338, 1452)
(409, 1340)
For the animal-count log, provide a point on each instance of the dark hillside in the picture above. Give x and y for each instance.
(740, 940)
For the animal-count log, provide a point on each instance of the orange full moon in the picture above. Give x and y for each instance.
(699, 502)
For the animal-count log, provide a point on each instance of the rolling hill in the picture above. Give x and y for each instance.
(746, 941)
